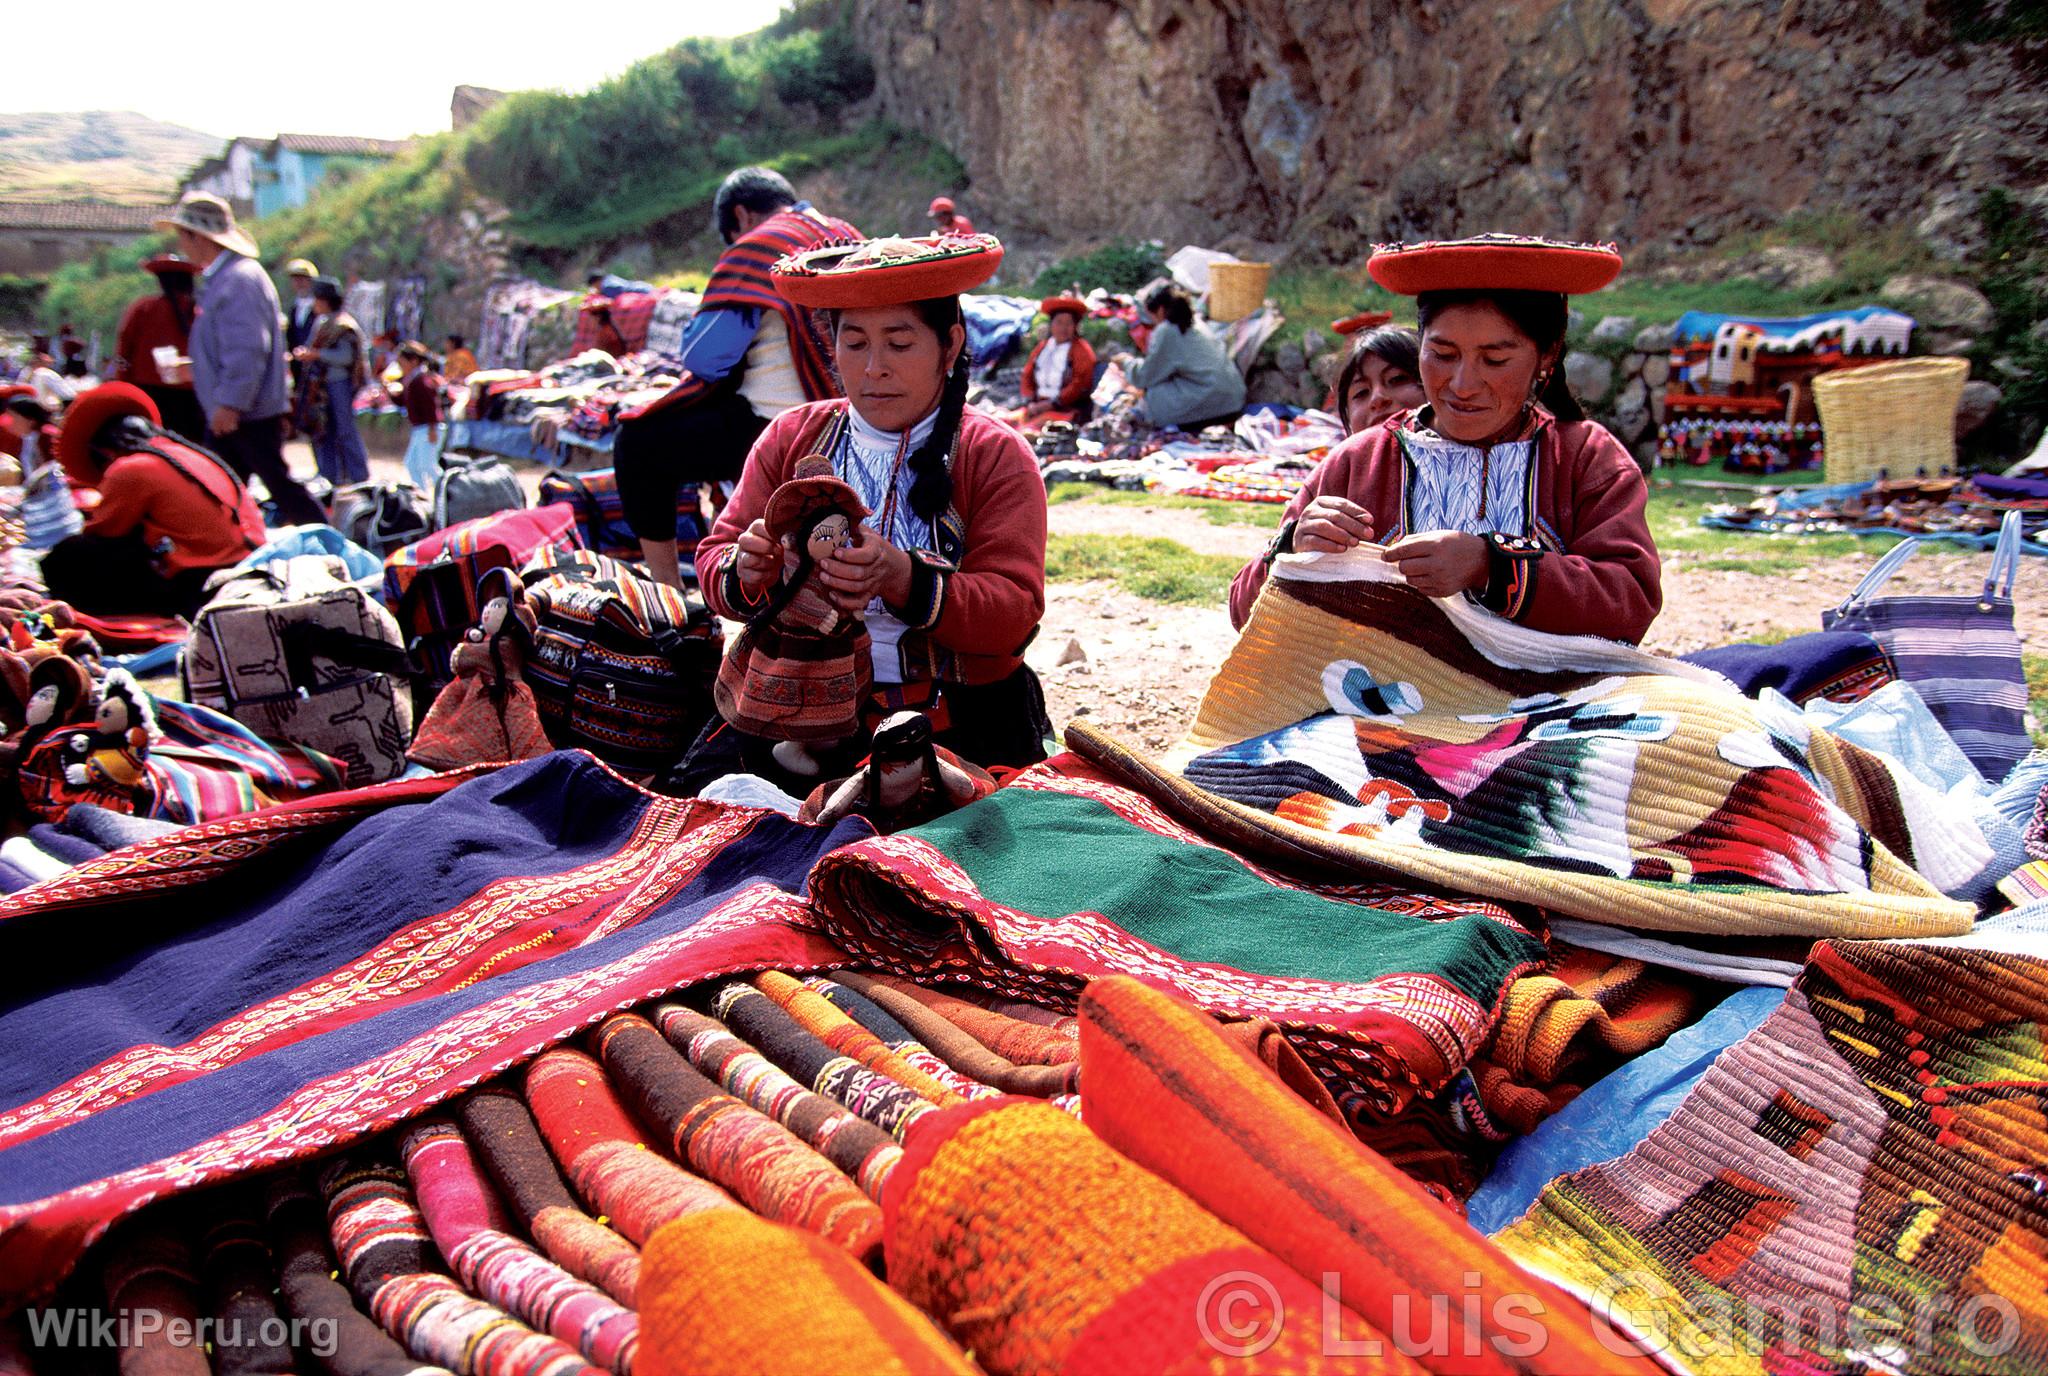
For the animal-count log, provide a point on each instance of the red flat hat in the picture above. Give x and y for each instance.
(106, 402)
(1364, 320)
(1073, 305)
(888, 272)
(1494, 262)
(939, 203)
(171, 262)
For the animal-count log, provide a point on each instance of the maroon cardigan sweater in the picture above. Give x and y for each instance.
(1074, 386)
(977, 615)
(1598, 572)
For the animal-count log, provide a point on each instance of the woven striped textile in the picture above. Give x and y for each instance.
(310, 1293)
(150, 1270)
(1856, 1183)
(856, 1146)
(473, 1233)
(961, 1052)
(1358, 723)
(898, 1038)
(1387, 992)
(761, 1162)
(731, 1294)
(766, 1025)
(816, 1014)
(1169, 1090)
(1012, 1038)
(507, 1140)
(238, 1275)
(1041, 1249)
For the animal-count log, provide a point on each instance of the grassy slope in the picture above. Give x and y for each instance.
(109, 155)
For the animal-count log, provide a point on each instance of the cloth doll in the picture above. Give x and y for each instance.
(801, 670)
(487, 713)
(906, 781)
(115, 753)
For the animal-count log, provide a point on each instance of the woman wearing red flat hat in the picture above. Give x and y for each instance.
(1061, 370)
(1499, 488)
(162, 320)
(170, 513)
(949, 567)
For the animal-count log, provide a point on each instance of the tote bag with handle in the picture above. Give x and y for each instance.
(1959, 652)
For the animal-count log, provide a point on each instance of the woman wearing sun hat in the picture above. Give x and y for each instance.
(949, 569)
(1499, 488)
(1061, 370)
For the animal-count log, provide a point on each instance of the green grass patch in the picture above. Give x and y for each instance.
(1265, 515)
(1151, 567)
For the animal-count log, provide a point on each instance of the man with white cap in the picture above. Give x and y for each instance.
(237, 350)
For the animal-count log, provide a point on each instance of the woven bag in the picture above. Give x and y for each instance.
(1961, 654)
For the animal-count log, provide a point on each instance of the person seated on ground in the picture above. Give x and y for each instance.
(459, 362)
(170, 512)
(1060, 373)
(946, 217)
(1499, 488)
(948, 569)
(48, 512)
(1186, 375)
(748, 356)
(1379, 378)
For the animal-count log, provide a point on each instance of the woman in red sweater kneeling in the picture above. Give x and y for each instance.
(1499, 489)
(170, 513)
(948, 569)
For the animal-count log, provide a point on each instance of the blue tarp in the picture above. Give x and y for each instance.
(1698, 325)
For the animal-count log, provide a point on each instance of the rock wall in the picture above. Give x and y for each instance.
(1322, 125)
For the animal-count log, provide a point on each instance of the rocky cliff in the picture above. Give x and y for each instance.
(1326, 124)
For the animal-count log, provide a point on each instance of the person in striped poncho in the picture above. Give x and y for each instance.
(749, 355)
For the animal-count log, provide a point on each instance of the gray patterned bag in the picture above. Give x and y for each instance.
(298, 654)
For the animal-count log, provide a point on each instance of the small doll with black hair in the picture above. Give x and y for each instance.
(800, 672)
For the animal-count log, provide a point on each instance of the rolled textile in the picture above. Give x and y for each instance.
(764, 1023)
(388, 1257)
(473, 1233)
(153, 1285)
(352, 1343)
(730, 1294)
(756, 1158)
(816, 1015)
(1163, 1086)
(891, 1032)
(1003, 1030)
(112, 830)
(605, 1152)
(504, 1134)
(956, 1047)
(31, 859)
(1044, 1251)
(13, 878)
(848, 1141)
(71, 850)
(239, 1280)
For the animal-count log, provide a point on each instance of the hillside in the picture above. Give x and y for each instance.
(113, 155)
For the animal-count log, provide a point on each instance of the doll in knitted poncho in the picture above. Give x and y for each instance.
(801, 670)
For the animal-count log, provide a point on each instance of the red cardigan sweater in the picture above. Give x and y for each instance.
(1598, 573)
(1075, 385)
(979, 614)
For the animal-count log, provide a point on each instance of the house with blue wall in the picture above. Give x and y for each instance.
(262, 176)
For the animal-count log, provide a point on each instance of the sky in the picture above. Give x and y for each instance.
(382, 70)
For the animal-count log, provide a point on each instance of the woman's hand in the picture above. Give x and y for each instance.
(1331, 525)
(759, 559)
(869, 568)
(1439, 563)
(1037, 408)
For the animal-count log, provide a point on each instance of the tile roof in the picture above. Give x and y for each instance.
(133, 219)
(339, 145)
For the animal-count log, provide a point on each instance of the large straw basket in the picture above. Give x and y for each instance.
(1237, 290)
(1896, 417)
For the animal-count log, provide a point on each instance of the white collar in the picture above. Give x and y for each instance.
(870, 438)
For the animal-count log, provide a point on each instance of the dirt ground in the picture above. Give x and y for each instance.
(1141, 665)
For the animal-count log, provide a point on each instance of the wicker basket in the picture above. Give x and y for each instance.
(1237, 290)
(1896, 418)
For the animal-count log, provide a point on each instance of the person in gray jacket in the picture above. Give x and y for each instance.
(237, 351)
(1186, 375)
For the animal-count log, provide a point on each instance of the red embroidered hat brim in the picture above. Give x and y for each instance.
(1494, 262)
(1073, 305)
(1364, 320)
(93, 410)
(888, 272)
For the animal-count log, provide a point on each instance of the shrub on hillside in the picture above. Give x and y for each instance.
(1124, 266)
